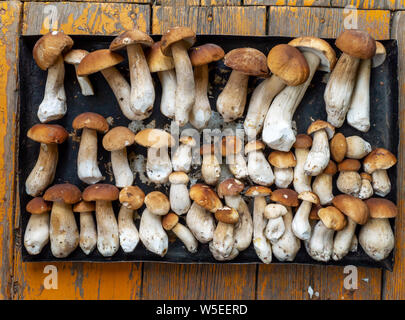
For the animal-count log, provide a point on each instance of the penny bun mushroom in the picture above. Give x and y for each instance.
(301, 182)
(132, 197)
(258, 168)
(74, 57)
(182, 157)
(170, 222)
(152, 234)
(357, 147)
(338, 147)
(157, 203)
(332, 218)
(323, 184)
(300, 224)
(349, 180)
(88, 232)
(210, 167)
(232, 150)
(201, 223)
(366, 189)
(283, 163)
(179, 197)
(204, 196)
(320, 245)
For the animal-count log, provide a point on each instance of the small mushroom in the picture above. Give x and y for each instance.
(349, 180)
(201, 223)
(43, 173)
(170, 222)
(258, 168)
(88, 232)
(357, 147)
(366, 189)
(232, 150)
(182, 157)
(157, 203)
(338, 147)
(300, 224)
(74, 57)
(87, 167)
(179, 197)
(204, 196)
(210, 167)
(152, 234)
(320, 245)
(283, 163)
(323, 184)
(301, 182)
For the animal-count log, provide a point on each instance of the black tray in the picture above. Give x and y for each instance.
(383, 133)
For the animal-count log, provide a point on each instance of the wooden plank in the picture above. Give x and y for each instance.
(296, 3)
(9, 22)
(221, 2)
(368, 4)
(177, 3)
(84, 18)
(126, 1)
(325, 22)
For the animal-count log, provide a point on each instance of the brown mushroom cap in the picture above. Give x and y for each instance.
(349, 165)
(338, 147)
(207, 149)
(356, 43)
(282, 160)
(231, 145)
(321, 125)
(132, 197)
(289, 64)
(129, 37)
(49, 47)
(90, 120)
(205, 197)
(157, 61)
(330, 169)
(302, 141)
(155, 138)
(352, 207)
(178, 177)
(309, 196)
(75, 56)
(286, 197)
(249, 61)
(66, 192)
(366, 176)
(38, 206)
(332, 218)
(157, 203)
(381, 208)
(205, 54)
(227, 215)
(98, 60)
(379, 159)
(230, 187)
(313, 215)
(84, 206)
(187, 140)
(380, 55)
(169, 221)
(258, 191)
(118, 138)
(254, 146)
(101, 192)
(174, 35)
(48, 133)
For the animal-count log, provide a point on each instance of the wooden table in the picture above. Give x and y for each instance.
(323, 18)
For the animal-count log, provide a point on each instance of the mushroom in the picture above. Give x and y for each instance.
(63, 231)
(182, 157)
(323, 184)
(200, 57)
(278, 132)
(157, 203)
(258, 168)
(355, 45)
(283, 163)
(349, 180)
(87, 167)
(201, 223)
(131, 199)
(152, 234)
(366, 189)
(275, 227)
(319, 156)
(354, 244)
(260, 242)
(36, 234)
(289, 67)
(376, 236)
(357, 212)
(357, 147)
(179, 198)
(43, 173)
(74, 57)
(358, 115)
(338, 147)
(116, 141)
(244, 62)
(158, 164)
(300, 224)
(175, 42)
(142, 94)
(88, 233)
(232, 149)
(204, 196)
(108, 241)
(48, 54)
(376, 164)
(301, 182)
(170, 222)
(210, 167)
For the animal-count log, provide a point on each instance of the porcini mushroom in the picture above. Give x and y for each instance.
(300, 224)
(179, 197)
(157, 203)
(201, 223)
(301, 182)
(152, 234)
(170, 222)
(182, 157)
(366, 189)
(43, 173)
(258, 168)
(232, 150)
(74, 57)
(283, 163)
(338, 147)
(204, 196)
(210, 167)
(88, 232)
(357, 147)
(323, 184)
(349, 180)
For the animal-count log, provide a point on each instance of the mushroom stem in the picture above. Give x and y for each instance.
(381, 182)
(169, 86)
(237, 165)
(85, 85)
(182, 158)
(158, 165)
(210, 169)
(260, 242)
(128, 233)
(122, 172)
(301, 182)
(37, 233)
(300, 223)
(201, 112)
(343, 240)
(179, 198)
(201, 223)
(107, 229)
(321, 242)
(283, 177)
(87, 167)
(185, 235)
(275, 228)
(223, 239)
(323, 187)
(152, 234)
(319, 156)
(376, 238)
(259, 169)
(88, 233)
(244, 228)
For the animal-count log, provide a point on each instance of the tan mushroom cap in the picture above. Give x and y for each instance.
(349, 165)
(258, 191)
(97, 61)
(282, 160)
(129, 37)
(330, 169)
(254, 146)
(157, 203)
(90, 120)
(230, 187)
(319, 47)
(352, 207)
(227, 215)
(75, 56)
(289, 64)
(205, 54)
(356, 43)
(132, 197)
(379, 159)
(332, 218)
(101, 192)
(286, 197)
(249, 61)
(49, 47)
(321, 125)
(231, 145)
(38, 206)
(207, 149)
(205, 197)
(118, 138)
(48, 133)
(187, 140)
(66, 192)
(381, 208)
(157, 61)
(313, 215)
(309, 196)
(179, 177)
(155, 138)
(84, 206)
(302, 141)
(169, 221)
(380, 55)
(366, 176)
(174, 35)
(338, 147)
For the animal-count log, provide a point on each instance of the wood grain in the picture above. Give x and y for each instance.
(296, 3)
(369, 4)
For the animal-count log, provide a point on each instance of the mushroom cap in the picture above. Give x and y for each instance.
(98, 60)
(379, 159)
(366, 176)
(169, 221)
(254, 146)
(338, 147)
(286, 197)
(309, 196)
(380, 55)
(188, 140)
(157, 203)
(66, 192)
(90, 120)
(330, 168)
(129, 37)
(178, 177)
(313, 215)
(101, 192)
(157, 61)
(274, 210)
(207, 149)
(321, 125)
(38, 206)
(49, 47)
(205, 54)
(155, 138)
(332, 218)
(227, 215)
(349, 165)
(289, 64)
(381, 208)
(84, 206)
(132, 197)
(258, 191)
(230, 187)
(249, 61)
(174, 35)
(231, 145)
(282, 160)
(352, 207)
(356, 43)
(48, 133)
(205, 197)
(319, 47)
(75, 56)
(302, 141)
(118, 138)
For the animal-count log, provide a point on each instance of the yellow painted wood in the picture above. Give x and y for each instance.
(297, 3)
(369, 4)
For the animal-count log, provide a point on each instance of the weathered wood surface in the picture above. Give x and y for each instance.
(297, 3)
(370, 4)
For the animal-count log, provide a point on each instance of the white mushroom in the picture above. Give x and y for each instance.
(152, 234)
(349, 180)
(182, 157)
(179, 198)
(354, 245)
(366, 189)
(210, 167)
(201, 223)
(232, 150)
(357, 147)
(157, 203)
(301, 182)
(88, 232)
(320, 244)
(223, 241)
(300, 224)
(74, 57)
(343, 240)
(323, 184)
(171, 222)
(258, 168)
(283, 163)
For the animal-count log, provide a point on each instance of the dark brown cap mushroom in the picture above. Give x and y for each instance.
(174, 35)
(132, 197)
(98, 60)
(338, 147)
(321, 125)
(157, 61)
(352, 207)
(48, 133)
(349, 165)
(169, 221)
(331, 168)
(282, 160)
(118, 138)
(205, 197)
(302, 141)
(230, 187)
(38, 206)
(332, 218)
(381, 208)
(227, 215)
(90, 120)
(101, 192)
(258, 191)
(129, 37)
(66, 192)
(249, 61)
(379, 159)
(205, 54)
(84, 206)
(285, 197)
(356, 43)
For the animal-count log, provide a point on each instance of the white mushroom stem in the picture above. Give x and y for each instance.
(44, 170)
(63, 230)
(381, 183)
(158, 165)
(283, 177)
(219, 257)
(88, 233)
(182, 158)
(377, 239)
(244, 228)
(300, 224)
(319, 156)
(260, 242)
(201, 111)
(323, 188)
(169, 86)
(354, 244)
(84, 83)
(53, 106)
(36, 234)
(152, 234)
(321, 243)
(210, 169)
(128, 233)
(185, 235)
(179, 198)
(301, 181)
(201, 223)
(259, 169)
(121, 169)
(108, 241)
(339, 89)
(349, 182)
(223, 239)
(237, 165)
(87, 167)
(366, 189)
(278, 133)
(343, 240)
(275, 228)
